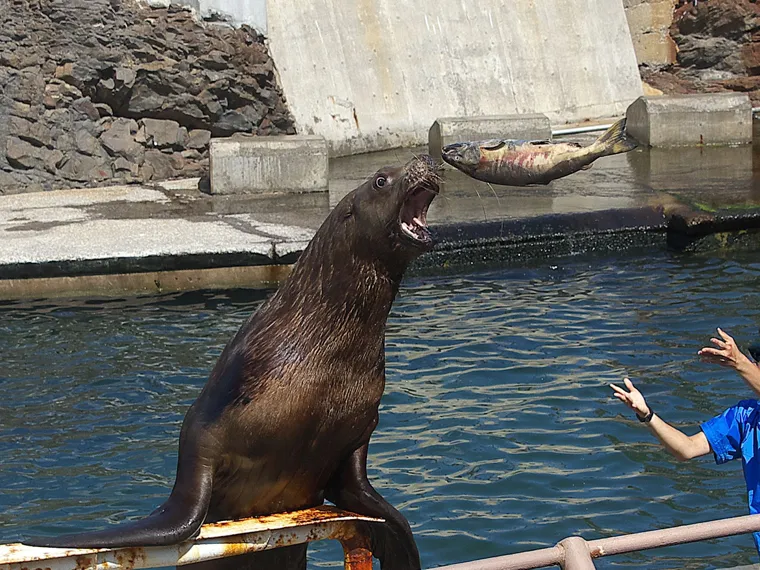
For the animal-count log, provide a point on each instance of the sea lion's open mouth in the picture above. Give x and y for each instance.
(413, 215)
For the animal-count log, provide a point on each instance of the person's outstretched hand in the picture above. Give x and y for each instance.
(726, 354)
(633, 398)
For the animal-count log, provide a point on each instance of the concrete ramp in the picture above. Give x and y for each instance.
(375, 74)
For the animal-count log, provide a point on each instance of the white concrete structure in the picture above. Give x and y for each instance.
(251, 12)
(373, 74)
(253, 165)
(688, 120)
(446, 130)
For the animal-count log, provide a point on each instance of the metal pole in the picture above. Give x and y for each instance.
(577, 556)
(357, 554)
(579, 130)
(675, 535)
(615, 545)
(520, 561)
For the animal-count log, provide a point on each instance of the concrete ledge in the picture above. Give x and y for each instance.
(688, 120)
(448, 130)
(466, 246)
(148, 283)
(256, 165)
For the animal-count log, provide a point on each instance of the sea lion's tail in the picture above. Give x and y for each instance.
(615, 140)
(177, 520)
(163, 527)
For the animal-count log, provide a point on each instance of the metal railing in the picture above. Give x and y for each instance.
(216, 540)
(220, 540)
(575, 553)
(579, 130)
(595, 128)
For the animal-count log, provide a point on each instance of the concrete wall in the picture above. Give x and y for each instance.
(649, 22)
(251, 12)
(372, 74)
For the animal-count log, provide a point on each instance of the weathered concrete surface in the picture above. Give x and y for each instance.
(370, 75)
(145, 283)
(687, 120)
(649, 22)
(251, 12)
(253, 165)
(128, 229)
(447, 130)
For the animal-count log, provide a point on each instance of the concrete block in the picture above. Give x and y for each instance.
(448, 130)
(688, 120)
(257, 165)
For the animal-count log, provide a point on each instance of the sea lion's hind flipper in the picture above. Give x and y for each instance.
(392, 542)
(178, 519)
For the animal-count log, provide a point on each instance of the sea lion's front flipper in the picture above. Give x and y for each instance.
(392, 542)
(178, 519)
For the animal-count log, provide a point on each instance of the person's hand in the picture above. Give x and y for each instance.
(726, 354)
(633, 398)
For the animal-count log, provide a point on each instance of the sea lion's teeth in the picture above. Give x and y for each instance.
(409, 229)
(418, 222)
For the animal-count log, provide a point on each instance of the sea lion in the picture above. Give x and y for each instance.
(285, 419)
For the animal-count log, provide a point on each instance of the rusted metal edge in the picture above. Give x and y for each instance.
(280, 521)
(217, 540)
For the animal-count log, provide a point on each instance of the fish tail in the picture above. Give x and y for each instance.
(615, 140)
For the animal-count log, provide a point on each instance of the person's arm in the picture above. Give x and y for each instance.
(728, 354)
(680, 445)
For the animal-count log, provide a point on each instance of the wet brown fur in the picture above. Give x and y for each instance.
(286, 416)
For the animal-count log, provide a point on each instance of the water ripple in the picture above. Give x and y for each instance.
(497, 431)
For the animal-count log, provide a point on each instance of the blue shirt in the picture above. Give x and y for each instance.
(736, 433)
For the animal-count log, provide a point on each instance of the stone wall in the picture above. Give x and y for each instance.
(717, 46)
(106, 91)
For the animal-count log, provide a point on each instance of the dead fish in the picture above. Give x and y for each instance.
(519, 163)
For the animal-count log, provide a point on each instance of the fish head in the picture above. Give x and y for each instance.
(464, 156)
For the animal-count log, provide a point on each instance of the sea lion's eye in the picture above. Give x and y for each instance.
(380, 181)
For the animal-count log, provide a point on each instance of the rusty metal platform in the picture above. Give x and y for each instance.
(216, 540)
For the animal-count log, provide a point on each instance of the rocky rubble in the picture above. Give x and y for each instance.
(108, 91)
(718, 44)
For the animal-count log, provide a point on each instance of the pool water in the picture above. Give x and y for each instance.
(498, 432)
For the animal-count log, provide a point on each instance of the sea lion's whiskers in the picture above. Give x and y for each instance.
(482, 205)
(396, 154)
(495, 195)
(444, 197)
